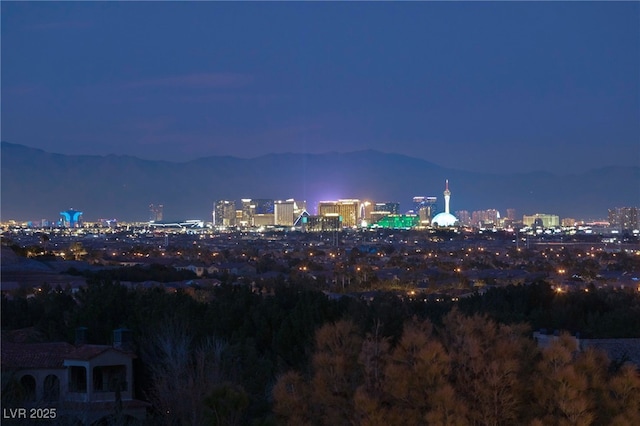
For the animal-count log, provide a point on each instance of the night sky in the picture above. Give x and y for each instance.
(491, 87)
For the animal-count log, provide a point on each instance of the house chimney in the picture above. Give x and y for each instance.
(122, 339)
(81, 336)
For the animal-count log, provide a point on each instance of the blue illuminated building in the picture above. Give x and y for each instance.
(70, 218)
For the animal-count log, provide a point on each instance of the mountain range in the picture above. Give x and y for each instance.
(38, 185)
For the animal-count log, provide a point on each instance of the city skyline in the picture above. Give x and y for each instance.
(268, 213)
(36, 184)
(485, 87)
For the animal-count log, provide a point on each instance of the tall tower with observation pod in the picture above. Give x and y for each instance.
(445, 218)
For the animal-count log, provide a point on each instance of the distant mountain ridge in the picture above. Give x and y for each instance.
(38, 185)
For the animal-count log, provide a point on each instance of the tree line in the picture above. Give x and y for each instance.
(470, 371)
(243, 356)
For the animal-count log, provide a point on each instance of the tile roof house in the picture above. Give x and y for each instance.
(82, 382)
(617, 350)
(621, 350)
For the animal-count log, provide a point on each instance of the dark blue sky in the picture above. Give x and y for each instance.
(496, 87)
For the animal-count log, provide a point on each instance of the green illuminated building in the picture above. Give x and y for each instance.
(396, 221)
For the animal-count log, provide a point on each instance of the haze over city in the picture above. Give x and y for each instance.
(487, 87)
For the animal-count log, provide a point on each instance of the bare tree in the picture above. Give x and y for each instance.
(488, 364)
(336, 372)
(625, 392)
(182, 373)
(291, 395)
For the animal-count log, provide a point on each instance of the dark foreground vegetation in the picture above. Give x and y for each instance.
(287, 354)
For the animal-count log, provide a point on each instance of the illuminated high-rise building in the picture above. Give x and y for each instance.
(263, 205)
(252, 208)
(263, 219)
(263, 212)
(463, 217)
(348, 210)
(424, 207)
(247, 212)
(381, 210)
(546, 220)
(284, 212)
(624, 218)
(156, 212)
(328, 223)
(485, 217)
(371, 212)
(388, 207)
(71, 218)
(224, 213)
(366, 209)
